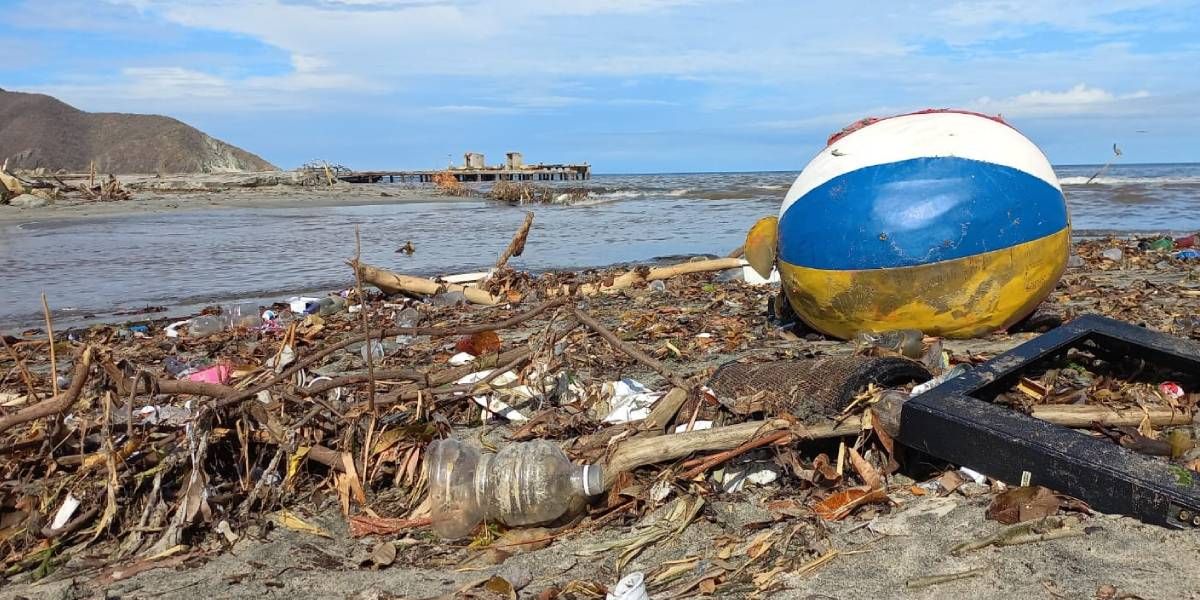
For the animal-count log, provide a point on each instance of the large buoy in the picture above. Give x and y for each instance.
(949, 222)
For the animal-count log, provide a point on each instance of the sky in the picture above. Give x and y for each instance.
(625, 85)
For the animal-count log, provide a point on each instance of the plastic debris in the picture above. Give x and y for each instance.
(631, 587)
(492, 403)
(629, 401)
(461, 359)
(215, 374)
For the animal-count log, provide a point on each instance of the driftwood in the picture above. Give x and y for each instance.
(394, 283)
(646, 450)
(57, 404)
(642, 275)
(517, 245)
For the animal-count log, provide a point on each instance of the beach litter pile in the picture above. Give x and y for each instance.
(599, 414)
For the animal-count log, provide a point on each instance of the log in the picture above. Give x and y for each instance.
(394, 283)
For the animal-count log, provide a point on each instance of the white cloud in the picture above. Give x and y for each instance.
(1077, 100)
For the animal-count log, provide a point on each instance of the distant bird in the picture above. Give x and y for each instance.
(1116, 150)
(408, 248)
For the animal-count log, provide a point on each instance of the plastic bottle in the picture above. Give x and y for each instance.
(409, 317)
(1162, 244)
(331, 305)
(205, 325)
(243, 315)
(908, 342)
(523, 484)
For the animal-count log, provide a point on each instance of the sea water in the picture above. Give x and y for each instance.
(98, 266)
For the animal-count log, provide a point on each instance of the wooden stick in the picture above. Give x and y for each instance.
(636, 452)
(50, 336)
(628, 349)
(25, 376)
(394, 283)
(664, 410)
(1066, 415)
(362, 306)
(630, 278)
(517, 245)
(58, 403)
(716, 459)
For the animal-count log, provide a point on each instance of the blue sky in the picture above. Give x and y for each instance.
(627, 85)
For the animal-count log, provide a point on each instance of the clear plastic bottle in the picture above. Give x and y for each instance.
(409, 317)
(522, 484)
(205, 325)
(242, 315)
(908, 342)
(331, 305)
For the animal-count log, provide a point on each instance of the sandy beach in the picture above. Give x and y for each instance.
(174, 193)
(878, 552)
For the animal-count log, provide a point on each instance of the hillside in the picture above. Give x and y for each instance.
(40, 131)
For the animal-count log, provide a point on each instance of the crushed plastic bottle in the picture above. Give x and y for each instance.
(330, 305)
(908, 342)
(409, 317)
(522, 484)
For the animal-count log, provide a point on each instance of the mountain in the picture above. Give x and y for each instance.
(40, 131)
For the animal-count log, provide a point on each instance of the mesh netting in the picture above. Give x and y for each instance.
(811, 389)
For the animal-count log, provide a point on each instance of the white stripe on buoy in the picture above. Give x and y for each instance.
(919, 136)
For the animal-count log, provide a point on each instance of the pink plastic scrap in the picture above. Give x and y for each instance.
(214, 374)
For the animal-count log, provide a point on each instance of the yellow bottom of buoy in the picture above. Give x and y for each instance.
(959, 298)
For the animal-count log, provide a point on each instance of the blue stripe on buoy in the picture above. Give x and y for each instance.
(916, 212)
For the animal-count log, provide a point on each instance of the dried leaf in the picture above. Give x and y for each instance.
(823, 467)
(479, 344)
(288, 519)
(951, 480)
(760, 544)
(294, 462)
(500, 585)
(838, 506)
(1021, 504)
(869, 474)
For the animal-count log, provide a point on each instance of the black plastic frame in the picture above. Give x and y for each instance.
(952, 423)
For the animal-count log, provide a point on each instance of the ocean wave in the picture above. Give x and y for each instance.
(679, 192)
(1076, 180)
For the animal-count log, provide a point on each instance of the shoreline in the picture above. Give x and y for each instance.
(154, 196)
